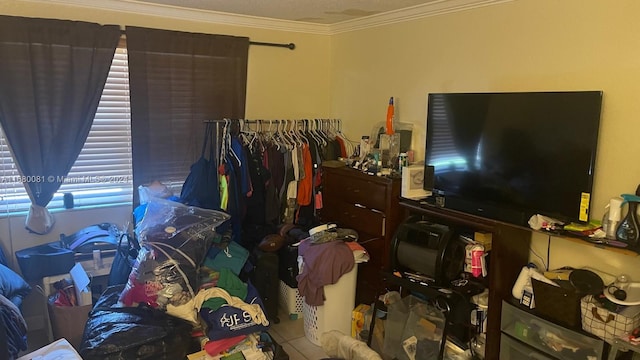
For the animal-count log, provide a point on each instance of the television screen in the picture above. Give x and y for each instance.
(508, 156)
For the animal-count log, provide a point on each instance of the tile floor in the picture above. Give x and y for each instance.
(290, 334)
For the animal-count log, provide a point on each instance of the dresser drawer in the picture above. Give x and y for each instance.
(354, 216)
(357, 190)
(549, 338)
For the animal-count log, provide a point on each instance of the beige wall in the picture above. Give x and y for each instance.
(513, 46)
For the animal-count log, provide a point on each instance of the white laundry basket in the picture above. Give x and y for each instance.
(291, 300)
(335, 314)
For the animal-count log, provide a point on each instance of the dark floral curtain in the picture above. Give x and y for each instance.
(52, 73)
(178, 80)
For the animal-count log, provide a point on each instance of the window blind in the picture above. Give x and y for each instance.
(102, 173)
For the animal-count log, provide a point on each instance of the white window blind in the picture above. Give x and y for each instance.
(102, 174)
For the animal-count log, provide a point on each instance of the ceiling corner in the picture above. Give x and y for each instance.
(431, 8)
(213, 17)
(410, 13)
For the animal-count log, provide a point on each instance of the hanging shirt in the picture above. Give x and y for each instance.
(224, 191)
(343, 148)
(239, 151)
(294, 161)
(305, 185)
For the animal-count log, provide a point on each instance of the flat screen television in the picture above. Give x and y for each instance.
(508, 156)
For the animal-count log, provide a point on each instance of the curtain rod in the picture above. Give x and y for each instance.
(289, 46)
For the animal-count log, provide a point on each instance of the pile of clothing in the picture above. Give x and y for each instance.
(184, 294)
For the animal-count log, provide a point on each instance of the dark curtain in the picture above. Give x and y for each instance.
(52, 73)
(178, 80)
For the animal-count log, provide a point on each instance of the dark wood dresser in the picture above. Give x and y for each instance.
(370, 205)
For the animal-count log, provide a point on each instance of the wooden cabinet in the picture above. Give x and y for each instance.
(369, 205)
(372, 206)
(509, 253)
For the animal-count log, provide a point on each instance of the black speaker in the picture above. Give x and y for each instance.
(68, 200)
(429, 177)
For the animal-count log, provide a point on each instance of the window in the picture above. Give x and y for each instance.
(102, 174)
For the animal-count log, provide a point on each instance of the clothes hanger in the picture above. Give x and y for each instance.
(229, 147)
(319, 133)
(291, 143)
(269, 136)
(299, 127)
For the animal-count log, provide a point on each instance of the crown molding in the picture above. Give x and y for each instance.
(432, 8)
(179, 13)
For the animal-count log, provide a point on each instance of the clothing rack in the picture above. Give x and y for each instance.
(321, 124)
(338, 122)
(285, 128)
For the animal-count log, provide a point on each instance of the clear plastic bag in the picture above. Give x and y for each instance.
(174, 238)
(413, 326)
(422, 335)
(154, 190)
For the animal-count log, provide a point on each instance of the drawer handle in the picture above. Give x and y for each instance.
(594, 311)
(360, 206)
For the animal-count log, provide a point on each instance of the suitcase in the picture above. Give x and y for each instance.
(45, 260)
(288, 265)
(265, 278)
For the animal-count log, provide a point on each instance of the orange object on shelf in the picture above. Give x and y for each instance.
(390, 113)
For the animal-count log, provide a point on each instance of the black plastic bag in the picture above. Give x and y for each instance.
(118, 333)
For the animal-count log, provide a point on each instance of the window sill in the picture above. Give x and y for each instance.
(63, 210)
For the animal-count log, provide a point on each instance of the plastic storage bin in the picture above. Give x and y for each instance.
(291, 300)
(551, 339)
(335, 314)
(511, 349)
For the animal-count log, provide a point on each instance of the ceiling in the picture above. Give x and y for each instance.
(309, 16)
(311, 11)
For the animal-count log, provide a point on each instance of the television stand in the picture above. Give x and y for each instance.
(509, 253)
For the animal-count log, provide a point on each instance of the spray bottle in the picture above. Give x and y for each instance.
(629, 229)
(612, 217)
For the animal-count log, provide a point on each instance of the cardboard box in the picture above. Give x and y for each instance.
(484, 239)
(67, 322)
(358, 319)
